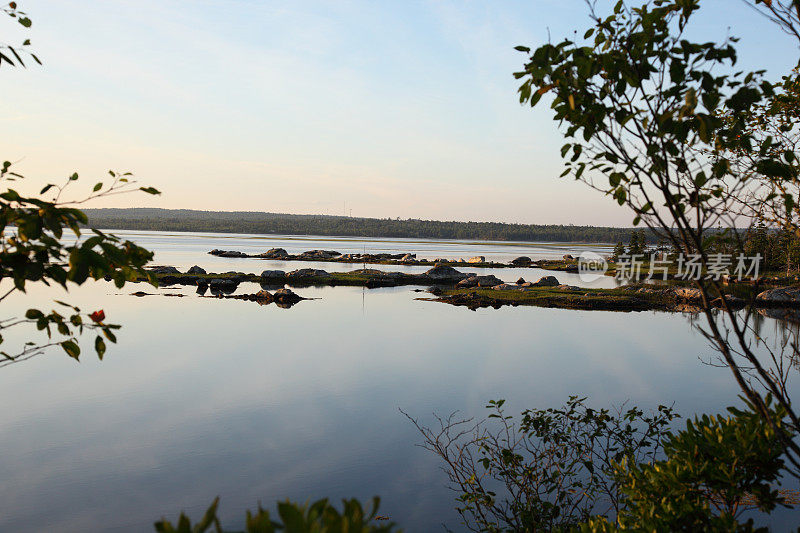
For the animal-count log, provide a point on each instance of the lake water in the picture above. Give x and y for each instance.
(204, 397)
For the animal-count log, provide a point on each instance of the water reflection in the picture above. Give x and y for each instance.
(210, 396)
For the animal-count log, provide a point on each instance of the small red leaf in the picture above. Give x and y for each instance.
(98, 316)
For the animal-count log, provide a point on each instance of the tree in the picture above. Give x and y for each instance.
(665, 126)
(319, 516)
(552, 470)
(619, 250)
(713, 471)
(35, 249)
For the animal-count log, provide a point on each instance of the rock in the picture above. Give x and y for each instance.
(477, 259)
(688, 293)
(520, 281)
(488, 281)
(523, 260)
(780, 295)
(273, 274)
(408, 257)
(238, 277)
(507, 287)
(547, 281)
(165, 270)
(196, 270)
(444, 273)
(263, 295)
(468, 283)
(187, 280)
(568, 257)
(305, 273)
(275, 253)
(233, 254)
(567, 287)
(202, 282)
(319, 254)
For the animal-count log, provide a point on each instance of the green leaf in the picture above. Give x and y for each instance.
(72, 349)
(97, 187)
(100, 347)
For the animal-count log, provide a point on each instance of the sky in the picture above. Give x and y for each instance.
(372, 108)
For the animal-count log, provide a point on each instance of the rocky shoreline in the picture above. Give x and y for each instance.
(474, 291)
(567, 263)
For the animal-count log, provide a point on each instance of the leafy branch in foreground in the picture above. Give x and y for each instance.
(668, 128)
(33, 250)
(714, 470)
(12, 11)
(575, 468)
(553, 469)
(319, 516)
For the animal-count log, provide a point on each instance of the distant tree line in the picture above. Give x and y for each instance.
(285, 224)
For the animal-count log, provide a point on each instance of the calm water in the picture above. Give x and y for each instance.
(205, 397)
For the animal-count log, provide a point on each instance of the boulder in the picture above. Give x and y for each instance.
(444, 273)
(305, 273)
(165, 270)
(196, 270)
(408, 257)
(477, 259)
(780, 295)
(547, 281)
(273, 274)
(233, 254)
(263, 295)
(520, 281)
(468, 283)
(568, 257)
(523, 260)
(202, 282)
(488, 281)
(275, 253)
(319, 254)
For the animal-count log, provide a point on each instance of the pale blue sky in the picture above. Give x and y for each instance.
(396, 108)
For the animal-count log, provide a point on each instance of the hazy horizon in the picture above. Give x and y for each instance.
(376, 110)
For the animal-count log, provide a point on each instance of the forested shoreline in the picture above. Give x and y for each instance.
(154, 219)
